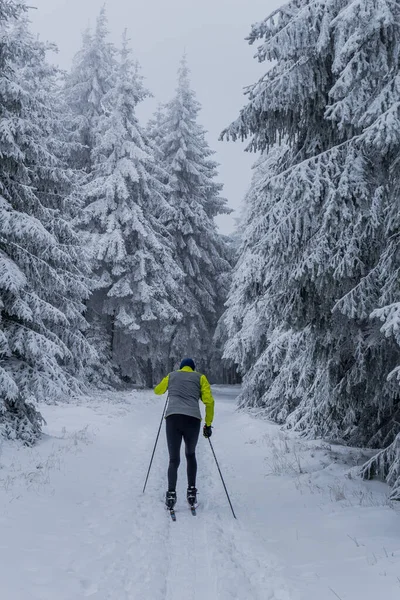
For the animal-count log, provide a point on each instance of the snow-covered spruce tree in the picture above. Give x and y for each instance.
(385, 134)
(137, 281)
(54, 184)
(92, 76)
(230, 372)
(41, 286)
(386, 463)
(201, 251)
(155, 131)
(305, 285)
(275, 369)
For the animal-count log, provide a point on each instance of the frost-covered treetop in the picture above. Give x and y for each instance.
(93, 70)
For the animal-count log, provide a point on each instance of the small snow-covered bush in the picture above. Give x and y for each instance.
(20, 420)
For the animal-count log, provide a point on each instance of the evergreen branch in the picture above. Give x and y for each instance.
(40, 260)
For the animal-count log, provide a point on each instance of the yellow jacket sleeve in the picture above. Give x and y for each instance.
(207, 399)
(162, 387)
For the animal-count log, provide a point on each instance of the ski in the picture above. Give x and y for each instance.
(172, 513)
(193, 510)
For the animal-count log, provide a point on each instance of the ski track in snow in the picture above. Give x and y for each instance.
(76, 525)
(162, 560)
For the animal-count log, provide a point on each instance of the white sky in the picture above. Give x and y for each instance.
(221, 61)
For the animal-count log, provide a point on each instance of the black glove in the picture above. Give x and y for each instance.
(207, 431)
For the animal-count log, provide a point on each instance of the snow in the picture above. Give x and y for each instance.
(74, 523)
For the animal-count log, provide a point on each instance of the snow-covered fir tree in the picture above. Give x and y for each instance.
(318, 241)
(138, 291)
(156, 134)
(201, 252)
(42, 289)
(92, 76)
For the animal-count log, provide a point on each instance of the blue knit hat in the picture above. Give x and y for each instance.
(188, 362)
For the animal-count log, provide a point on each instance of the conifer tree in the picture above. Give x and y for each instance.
(155, 131)
(92, 76)
(195, 199)
(136, 276)
(42, 349)
(317, 232)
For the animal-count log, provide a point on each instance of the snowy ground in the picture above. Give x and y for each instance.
(74, 523)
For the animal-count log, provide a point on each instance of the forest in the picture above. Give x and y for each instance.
(112, 267)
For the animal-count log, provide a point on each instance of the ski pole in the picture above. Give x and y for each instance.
(226, 491)
(155, 445)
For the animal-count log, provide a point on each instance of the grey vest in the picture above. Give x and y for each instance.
(184, 394)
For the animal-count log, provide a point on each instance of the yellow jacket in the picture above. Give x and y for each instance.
(205, 393)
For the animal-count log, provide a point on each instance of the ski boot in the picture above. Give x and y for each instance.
(170, 500)
(192, 496)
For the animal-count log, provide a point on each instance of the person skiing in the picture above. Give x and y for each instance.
(185, 387)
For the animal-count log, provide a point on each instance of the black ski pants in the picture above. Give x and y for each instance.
(188, 428)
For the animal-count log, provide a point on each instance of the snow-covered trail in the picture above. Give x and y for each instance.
(74, 522)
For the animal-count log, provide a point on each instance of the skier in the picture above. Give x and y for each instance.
(185, 388)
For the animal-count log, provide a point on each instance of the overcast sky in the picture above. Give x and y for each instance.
(211, 31)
